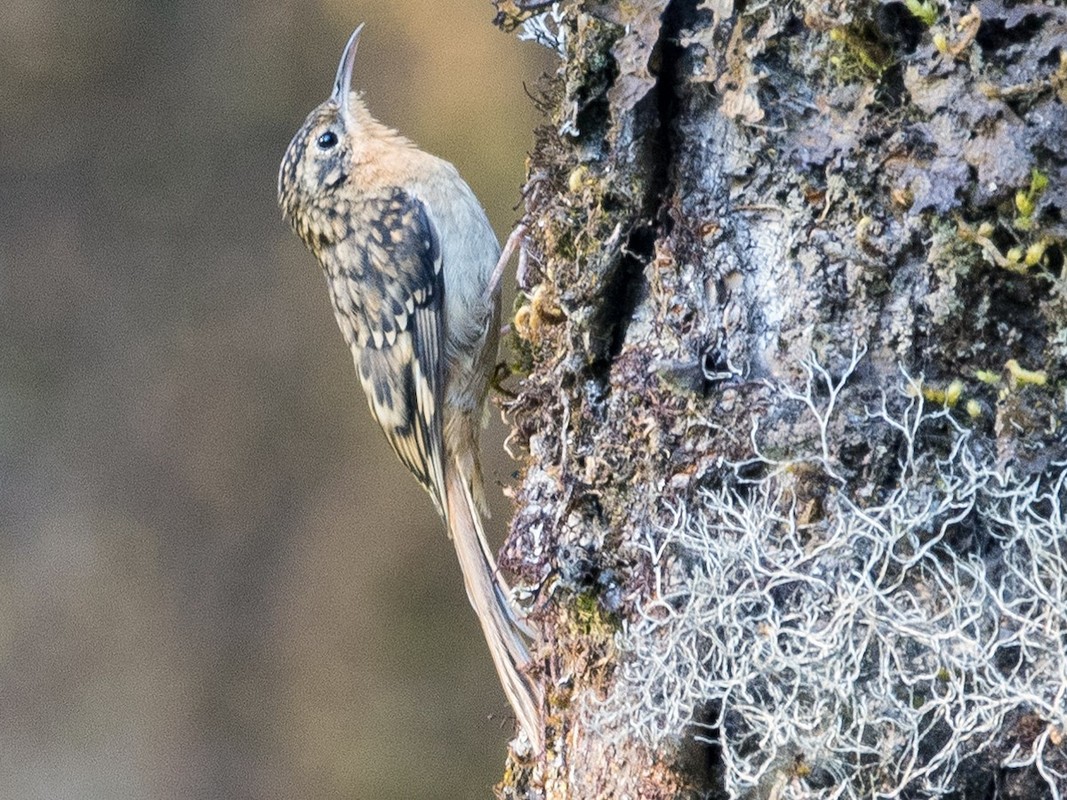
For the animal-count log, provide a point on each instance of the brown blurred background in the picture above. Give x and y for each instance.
(216, 581)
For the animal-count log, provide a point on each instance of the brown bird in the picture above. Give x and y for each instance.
(409, 259)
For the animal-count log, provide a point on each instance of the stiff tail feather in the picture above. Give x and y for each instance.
(488, 594)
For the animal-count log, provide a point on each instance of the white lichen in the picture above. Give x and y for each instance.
(867, 650)
(547, 29)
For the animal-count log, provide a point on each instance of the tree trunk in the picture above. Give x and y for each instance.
(792, 336)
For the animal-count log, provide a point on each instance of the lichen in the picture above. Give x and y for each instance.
(801, 631)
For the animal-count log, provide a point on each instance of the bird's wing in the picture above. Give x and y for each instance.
(396, 275)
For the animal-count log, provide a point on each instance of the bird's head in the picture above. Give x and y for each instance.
(320, 157)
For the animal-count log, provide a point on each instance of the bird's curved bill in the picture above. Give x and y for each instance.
(343, 83)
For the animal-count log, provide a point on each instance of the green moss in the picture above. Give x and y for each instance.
(520, 353)
(1025, 377)
(923, 10)
(1026, 199)
(590, 620)
(948, 397)
(860, 54)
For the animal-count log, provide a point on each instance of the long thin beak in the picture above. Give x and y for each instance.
(343, 84)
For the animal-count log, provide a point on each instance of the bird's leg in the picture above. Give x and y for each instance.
(505, 256)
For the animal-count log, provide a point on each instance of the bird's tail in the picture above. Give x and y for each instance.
(491, 599)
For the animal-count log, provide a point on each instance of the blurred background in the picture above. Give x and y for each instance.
(216, 581)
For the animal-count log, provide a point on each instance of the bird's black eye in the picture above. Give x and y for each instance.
(327, 140)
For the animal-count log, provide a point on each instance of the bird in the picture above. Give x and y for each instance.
(411, 264)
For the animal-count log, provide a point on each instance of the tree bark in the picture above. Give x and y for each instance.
(792, 338)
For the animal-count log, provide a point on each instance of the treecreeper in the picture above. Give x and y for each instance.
(410, 262)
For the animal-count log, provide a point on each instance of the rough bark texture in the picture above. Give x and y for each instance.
(793, 346)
